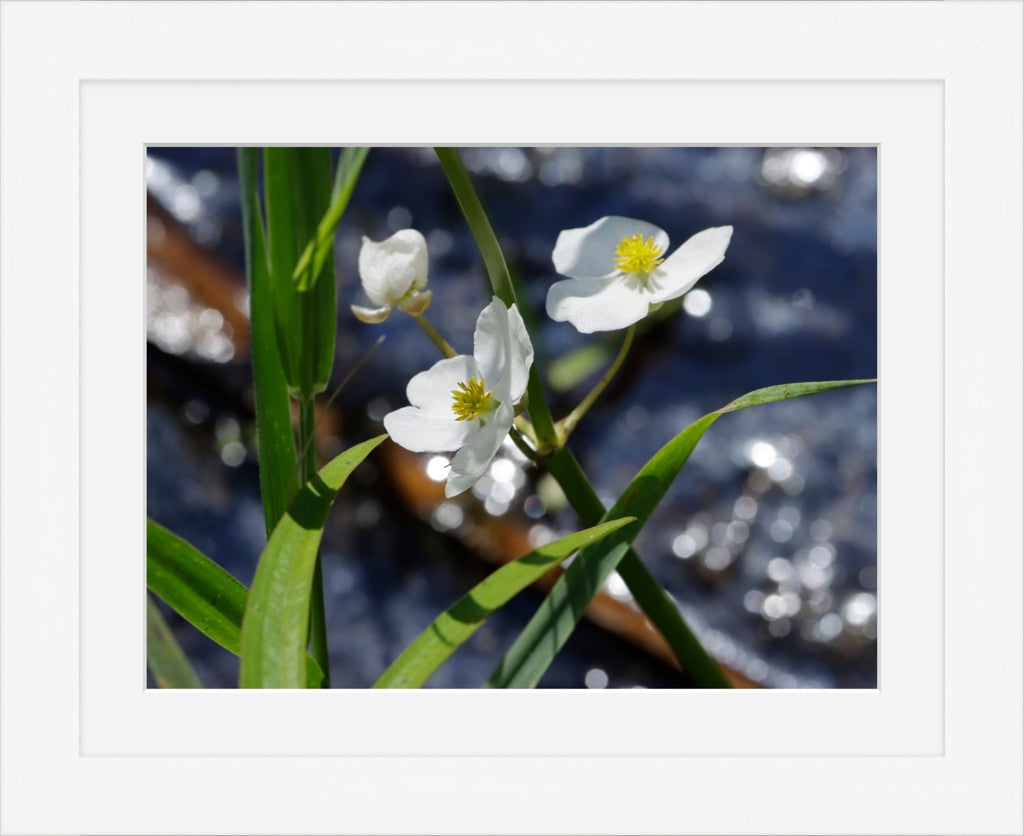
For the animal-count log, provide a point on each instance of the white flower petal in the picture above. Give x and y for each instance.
(371, 315)
(431, 390)
(503, 350)
(472, 461)
(390, 268)
(598, 304)
(422, 432)
(589, 252)
(695, 258)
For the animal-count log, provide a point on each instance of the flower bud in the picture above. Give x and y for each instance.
(393, 272)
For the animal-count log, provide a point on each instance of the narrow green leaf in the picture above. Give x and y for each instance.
(546, 633)
(275, 442)
(453, 627)
(479, 224)
(500, 278)
(350, 163)
(200, 591)
(787, 391)
(275, 623)
(166, 659)
(297, 182)
(194, 586)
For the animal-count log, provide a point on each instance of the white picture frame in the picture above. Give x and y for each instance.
(87, 749)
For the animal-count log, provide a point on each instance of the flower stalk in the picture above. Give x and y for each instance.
(524, 446)
(435, 335)
(569, 422)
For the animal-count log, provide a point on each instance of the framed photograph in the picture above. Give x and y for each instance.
(871, 156)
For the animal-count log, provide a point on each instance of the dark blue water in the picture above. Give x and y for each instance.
(767, 539)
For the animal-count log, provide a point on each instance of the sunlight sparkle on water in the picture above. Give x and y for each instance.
(697, 302)
(761, 453)
(437, 468)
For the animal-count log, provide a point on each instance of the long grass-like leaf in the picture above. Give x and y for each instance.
(297, 182)
(546, 633)
(350, 163)
(211, 599)
(453, 627)
(166, 659)
(275, 441)
(274, 626)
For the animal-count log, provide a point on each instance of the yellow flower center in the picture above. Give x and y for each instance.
(469, 400)
(635, 255)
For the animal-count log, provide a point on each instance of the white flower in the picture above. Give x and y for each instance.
(394, 272)
(616, 271)
(468, 403)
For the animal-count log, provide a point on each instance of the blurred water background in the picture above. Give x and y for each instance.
(767, 539)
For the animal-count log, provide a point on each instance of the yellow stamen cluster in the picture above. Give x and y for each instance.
(635, 255)
(469, 400)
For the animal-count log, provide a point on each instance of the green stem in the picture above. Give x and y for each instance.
(526, 429)
(664, 614)
(569, 422)
(540, 413)
(483, 232)
(317, 615)
(501, 280)
(435, 336)
(646, 590)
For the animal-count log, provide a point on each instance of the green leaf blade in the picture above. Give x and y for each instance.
(452, 628)
(275, 441)
(194, 586)
(787, 391)
(275, 623)
(535, 648)
(297, 183)
(479, 224)
(210, 598)
(166, 659)
(350, 164)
